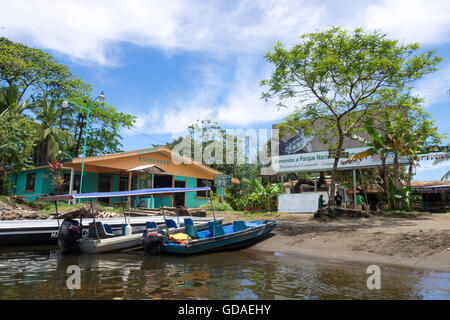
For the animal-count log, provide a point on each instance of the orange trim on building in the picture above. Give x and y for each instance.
(120, 162)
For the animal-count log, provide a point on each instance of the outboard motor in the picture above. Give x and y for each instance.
(68, 236)
(153, 242)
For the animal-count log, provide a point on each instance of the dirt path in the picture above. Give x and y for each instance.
(422, 241)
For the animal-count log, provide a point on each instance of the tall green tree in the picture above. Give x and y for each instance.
(50, 137)
(379, 146)
(10, 100)
(17, 141)
(104, 124)
(337, 76)
(417, 131)
(401, 129)
(36, 75)
(35, 72)
(204, 133)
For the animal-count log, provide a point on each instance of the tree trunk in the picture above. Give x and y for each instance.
(410, 170)
(386, 180)
(333, 173)
(396, 172)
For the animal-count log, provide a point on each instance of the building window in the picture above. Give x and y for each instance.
(123, 183)
(204, 183)
(31, 179)
(76, 183)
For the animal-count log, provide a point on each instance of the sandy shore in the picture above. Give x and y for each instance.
(422, 241)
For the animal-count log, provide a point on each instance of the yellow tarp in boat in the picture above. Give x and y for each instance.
(180, 238)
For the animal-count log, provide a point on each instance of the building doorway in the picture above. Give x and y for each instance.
(162, 181)
(123, 183)
(179, 198)
(104, 185)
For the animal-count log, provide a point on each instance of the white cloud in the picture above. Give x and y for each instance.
(88, 30)
(434, 87)
(236, 102)
(92, 31)
(243, 104)
(428, 165)
(141, 124)
(423, 21)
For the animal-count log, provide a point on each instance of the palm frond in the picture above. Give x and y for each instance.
(363, 154)
(446, 176)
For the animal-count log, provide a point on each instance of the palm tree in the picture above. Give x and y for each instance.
(379, 146)
(446, 157)
(51, 137)
(10, 101)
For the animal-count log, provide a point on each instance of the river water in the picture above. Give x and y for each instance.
(41, 273)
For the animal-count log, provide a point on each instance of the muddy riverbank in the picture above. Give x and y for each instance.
(417, 241)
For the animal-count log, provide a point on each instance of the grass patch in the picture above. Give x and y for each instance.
(218, 206)
(404, 214)
(49, 207)
(108, 209)
(246, 215)
(7, 200)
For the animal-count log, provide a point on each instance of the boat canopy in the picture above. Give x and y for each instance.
(139, 192)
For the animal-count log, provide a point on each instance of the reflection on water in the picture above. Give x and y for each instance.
(248, 274)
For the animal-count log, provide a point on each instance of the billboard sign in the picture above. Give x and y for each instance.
(320, 161)
(298, 152)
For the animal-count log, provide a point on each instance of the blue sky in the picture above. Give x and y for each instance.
(172, 62)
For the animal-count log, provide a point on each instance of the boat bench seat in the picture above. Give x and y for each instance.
(150, 225)
(217, 230)
(239, 226)
(191, 231)
(211, 225)
(108, 229)
(101, 233)
(170, 223)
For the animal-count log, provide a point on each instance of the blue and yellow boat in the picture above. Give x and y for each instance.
(236, 235)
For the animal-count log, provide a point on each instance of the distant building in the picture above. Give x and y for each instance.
(435, 195)
(120, 172)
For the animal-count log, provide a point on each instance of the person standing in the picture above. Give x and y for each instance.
(359, 201)
(338, 199)
(321, 202)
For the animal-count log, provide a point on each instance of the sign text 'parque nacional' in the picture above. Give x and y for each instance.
(321, 161)
(298, 152)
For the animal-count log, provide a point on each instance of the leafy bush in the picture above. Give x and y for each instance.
(40, 205)
(5, 185)
(403, 198)
(256, 197)
(218, 206)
